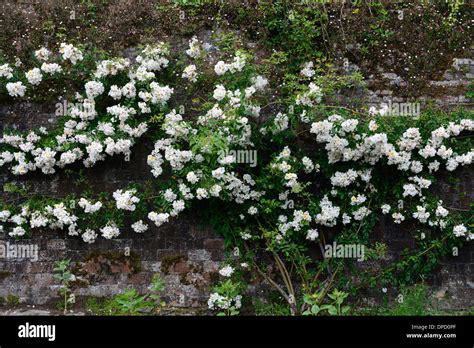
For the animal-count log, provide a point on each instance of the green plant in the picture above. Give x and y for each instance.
(297, 28)
(12, 300)
(271, 308)
(324, 172)
(63, 274)
(226, 298)
(335, 307)
(156, 289)
(470, 91)
(378, 251)
(413, 300)
(130, 301)
(454, 9)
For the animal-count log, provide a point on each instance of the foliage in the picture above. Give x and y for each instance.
(130, 301)
(326, 173)
(63, 274)
(12, 300)
(333, 308)
(229, 299)
(271, 308)
(413, 300)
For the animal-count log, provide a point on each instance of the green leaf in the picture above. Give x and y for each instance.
(315, 309)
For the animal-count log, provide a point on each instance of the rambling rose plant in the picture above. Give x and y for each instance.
(283, 208)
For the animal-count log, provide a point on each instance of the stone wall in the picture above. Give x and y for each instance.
(186, 252)
(186, 256)
(447, 92)
(453, 282)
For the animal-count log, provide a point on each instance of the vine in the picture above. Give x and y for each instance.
(281, 186)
